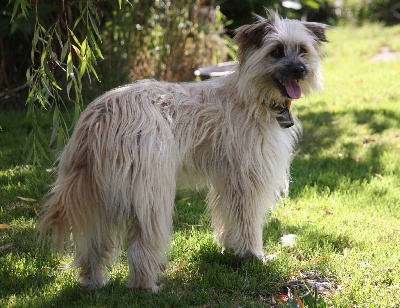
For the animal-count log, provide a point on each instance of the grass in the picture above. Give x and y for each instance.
(344, 207)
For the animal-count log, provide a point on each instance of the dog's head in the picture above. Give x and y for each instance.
(279, 59)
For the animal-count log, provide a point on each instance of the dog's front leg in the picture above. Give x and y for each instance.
(237, 217)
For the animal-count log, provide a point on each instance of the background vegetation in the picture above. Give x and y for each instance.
(328, 11)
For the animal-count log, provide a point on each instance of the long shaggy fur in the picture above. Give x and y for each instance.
(131, 147)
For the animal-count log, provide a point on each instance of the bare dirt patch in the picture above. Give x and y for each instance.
(385, 54)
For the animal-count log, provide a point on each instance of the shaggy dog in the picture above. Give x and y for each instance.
(133, 145)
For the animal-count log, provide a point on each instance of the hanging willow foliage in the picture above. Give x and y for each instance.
(67, 44)
(166, 40)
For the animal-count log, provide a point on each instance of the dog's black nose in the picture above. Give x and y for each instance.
(298, 71)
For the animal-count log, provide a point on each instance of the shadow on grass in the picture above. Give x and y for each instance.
(14, 130)
(334, 173)
(378, 120)
(310, 239)
(322, 134)
(322, 129)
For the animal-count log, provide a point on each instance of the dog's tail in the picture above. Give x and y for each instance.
(66, 209)
(72, 199)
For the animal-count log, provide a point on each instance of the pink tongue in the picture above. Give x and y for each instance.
(293, 89)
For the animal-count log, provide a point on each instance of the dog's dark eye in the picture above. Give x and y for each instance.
(303, 50)
(278, 52)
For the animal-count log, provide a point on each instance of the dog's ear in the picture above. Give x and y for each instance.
(317, 30)
(252, 36)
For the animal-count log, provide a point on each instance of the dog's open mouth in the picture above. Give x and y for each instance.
(289, 88)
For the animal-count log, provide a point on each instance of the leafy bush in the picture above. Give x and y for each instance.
(169, 42)
(375, 10)
(327, 11)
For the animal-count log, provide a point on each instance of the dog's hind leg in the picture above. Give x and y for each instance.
(94, 250)
(148, 250)
(73, 206)
(95, 240)
(154, 192)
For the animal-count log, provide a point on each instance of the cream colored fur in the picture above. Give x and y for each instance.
(131, 147)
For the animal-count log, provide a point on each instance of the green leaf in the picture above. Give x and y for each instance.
(58, 37)
(15, 8)
(77, 88)
(82, 69)
(312, 4)
(52, 54)
(314, 300)
(93, 10)
(75, 38)
(39, 147)
(31, 98)
(78, 52)
(28, 74)
(46, 87)
(91, 68)
(35, 37)
(93, 44)
(56, 125)
(79, 19)
(47, 70)
(69, 85)
(61, 136)
(21, 24)
(41, 135)
(29, 139)
(70, 67)
(78, 111)
(43, 100)
(84, 47)
(64, 51)
(21, 5)
(94, 26)
(29, 156)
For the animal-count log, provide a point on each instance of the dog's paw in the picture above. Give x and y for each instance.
(149, 287)
(252, 255)
(271, 257)
(92, 284)
(156, 289)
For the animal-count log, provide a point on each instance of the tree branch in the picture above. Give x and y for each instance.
(7, 92)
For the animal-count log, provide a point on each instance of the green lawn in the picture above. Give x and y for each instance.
(344, 207)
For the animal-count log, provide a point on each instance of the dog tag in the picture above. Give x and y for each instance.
(284, 118)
